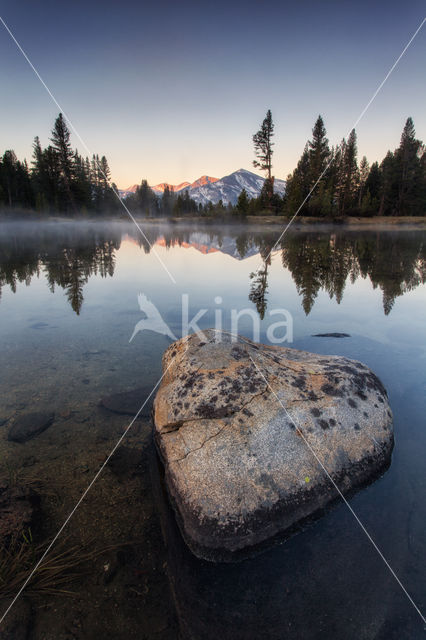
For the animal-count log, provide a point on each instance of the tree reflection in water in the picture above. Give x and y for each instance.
(69, 254)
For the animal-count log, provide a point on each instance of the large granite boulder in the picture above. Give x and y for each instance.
(245, 432)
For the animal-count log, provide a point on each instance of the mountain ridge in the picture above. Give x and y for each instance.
(208, 189)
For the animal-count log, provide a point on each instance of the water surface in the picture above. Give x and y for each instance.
(68, 307)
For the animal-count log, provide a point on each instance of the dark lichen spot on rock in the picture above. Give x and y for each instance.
(236, 386)
(331, 391)
(323, 424)
(365, 414)
(237, 353)
(247, 412)
(380, 399)
(299, 382)
(352, 403)
(316, 412)
(356, 426)
(332, 422)
(206, 410)
(347, 369)
(361, 395)
(189, 383)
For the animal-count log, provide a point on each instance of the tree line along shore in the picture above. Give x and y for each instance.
(328, 183)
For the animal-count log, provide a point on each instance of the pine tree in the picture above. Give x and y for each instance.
(319, 152)
(390, 174)
(61, 144)
(242, 203)
(297, 186)
(408, 158)
(9, 170)
(350, 178)
(263, 144)
(167, 200)
(364, 170)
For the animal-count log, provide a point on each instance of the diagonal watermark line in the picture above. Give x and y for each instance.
(83, 495)
(361, 115)
(299, 431)
(123, 204)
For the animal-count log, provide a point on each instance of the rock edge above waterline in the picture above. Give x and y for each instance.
(240, 468)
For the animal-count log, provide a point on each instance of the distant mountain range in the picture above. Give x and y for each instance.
(207, 189)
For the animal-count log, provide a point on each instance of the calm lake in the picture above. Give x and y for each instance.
(68, 309)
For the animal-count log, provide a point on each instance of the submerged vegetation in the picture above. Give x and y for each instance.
(328, 182)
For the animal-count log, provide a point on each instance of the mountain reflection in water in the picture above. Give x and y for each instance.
(68, 254)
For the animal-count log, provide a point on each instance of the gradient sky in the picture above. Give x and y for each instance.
(172, 90)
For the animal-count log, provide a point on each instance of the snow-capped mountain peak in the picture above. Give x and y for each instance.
(229, 188)
(207, 189)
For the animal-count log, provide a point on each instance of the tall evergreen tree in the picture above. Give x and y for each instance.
(408, 159)
(297, 186)
(364, 170)
(349, 175)
(62, 146)
(319, 151)
(263, 144)
(242, 203)
(9, 175)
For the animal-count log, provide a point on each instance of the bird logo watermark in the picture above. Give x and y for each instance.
(276, 332)
(153, 321)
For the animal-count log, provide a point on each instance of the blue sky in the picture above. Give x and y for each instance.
(170, 91)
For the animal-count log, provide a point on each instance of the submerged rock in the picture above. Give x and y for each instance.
(243, 429)
(331, 335)
(30, 425)
(129, 402)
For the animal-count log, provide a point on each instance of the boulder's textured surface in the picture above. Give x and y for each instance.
(30, 425)
(243, 430)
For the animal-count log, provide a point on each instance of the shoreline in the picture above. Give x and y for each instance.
(350, 223)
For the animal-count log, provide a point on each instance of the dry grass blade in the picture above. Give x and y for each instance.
(58, 571)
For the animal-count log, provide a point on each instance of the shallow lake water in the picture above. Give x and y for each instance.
(68, 309)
